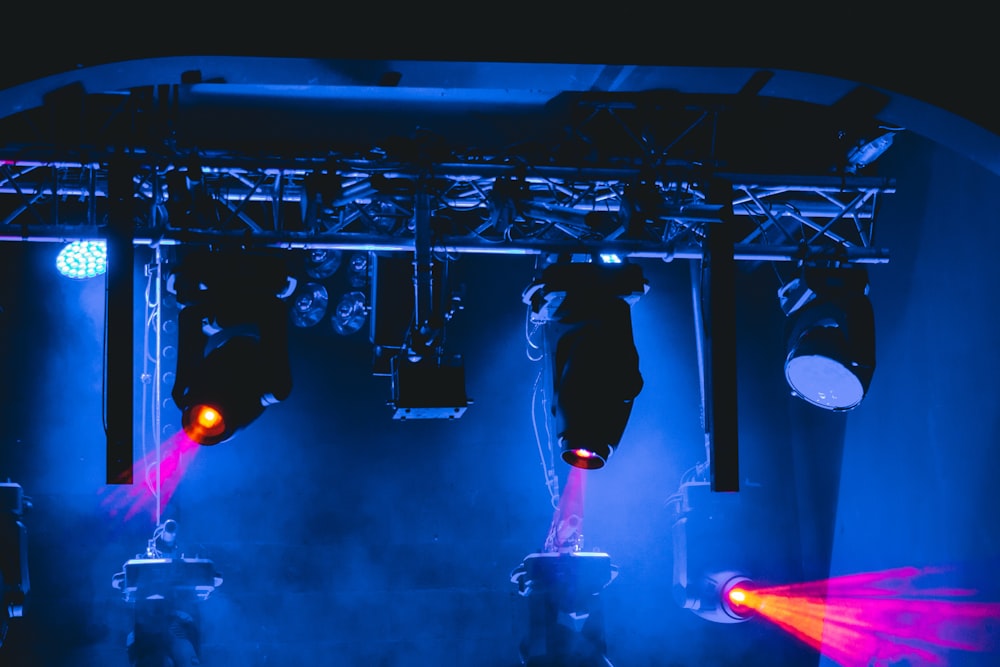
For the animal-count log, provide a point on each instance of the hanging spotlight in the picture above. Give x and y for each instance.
(322, 263)
(595, 365)
(83, 259)
(358, 270)
(350, 314)
(309, 305)
(232, 357)
(830, 337)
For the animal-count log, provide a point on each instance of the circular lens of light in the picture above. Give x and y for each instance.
(204, 424)
(350, 314)
(322, 263)
(309, 305)
(83, 259)
(583, 458)
(739, 599)
(824, 382)
(208, 417)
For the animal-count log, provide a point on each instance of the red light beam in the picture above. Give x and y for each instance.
(565, 533)
(879, 618)
(176, 454)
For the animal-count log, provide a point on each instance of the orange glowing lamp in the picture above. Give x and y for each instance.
(204, 424)
(740, 599)
(581, 457)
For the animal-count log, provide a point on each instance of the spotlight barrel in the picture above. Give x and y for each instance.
(595, 364)
(830, 338)
(232, 359)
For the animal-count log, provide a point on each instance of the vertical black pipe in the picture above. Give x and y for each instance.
(719, 291)
(119, 338)
(423, 267)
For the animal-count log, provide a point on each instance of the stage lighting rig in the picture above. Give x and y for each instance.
(13, 554)
(232, 359)
(585, 307)
(830, 336)
(164, 589)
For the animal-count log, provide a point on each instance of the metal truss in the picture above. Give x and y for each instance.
(370, 204)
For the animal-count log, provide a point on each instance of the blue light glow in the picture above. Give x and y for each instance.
(83, 259)
(610, 258)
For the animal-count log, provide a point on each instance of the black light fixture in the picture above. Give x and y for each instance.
(586, 309)
(709, 557)
(232, 359)
(322, 263)
(165, 590)
(14, 580)
(351, 311)
(565, 611)
(830, 336)
(309, 304)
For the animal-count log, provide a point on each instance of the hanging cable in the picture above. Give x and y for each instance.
(697, 276)
(150, 410)
(539, 399)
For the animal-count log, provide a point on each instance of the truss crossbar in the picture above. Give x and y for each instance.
(475, 208)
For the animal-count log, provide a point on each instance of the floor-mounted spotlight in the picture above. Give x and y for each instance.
(232, 359)
(566, 613)
(83, 259)
(830, 337)
(586, 310)
(165, 590)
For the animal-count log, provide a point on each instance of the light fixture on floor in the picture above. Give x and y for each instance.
(165, 589)
(566, 612)
(586, 310)
(830, 337)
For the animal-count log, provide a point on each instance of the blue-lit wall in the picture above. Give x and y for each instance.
(918, 483)
(347, 538)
